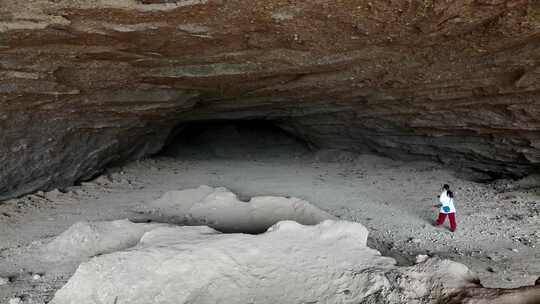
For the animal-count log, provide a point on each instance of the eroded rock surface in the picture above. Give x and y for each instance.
(84, 240)
(290, 263)
(221, 209)
(87, 83)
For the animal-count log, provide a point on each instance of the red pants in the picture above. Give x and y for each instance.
(451, 216)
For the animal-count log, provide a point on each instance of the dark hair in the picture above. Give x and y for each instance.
(450, 194)
(446, 187)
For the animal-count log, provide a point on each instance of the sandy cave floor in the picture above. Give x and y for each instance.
(498, 233)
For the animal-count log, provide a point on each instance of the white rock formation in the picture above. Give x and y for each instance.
(87, 239)
(290, 263)
(221, 209)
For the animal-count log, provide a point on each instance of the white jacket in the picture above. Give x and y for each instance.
(447, 201)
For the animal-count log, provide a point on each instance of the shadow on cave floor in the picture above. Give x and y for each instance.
(241, 140)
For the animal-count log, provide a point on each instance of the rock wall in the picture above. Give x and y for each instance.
(87, 83)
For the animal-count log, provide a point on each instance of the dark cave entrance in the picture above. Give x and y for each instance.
(236, 140)
(239, 140)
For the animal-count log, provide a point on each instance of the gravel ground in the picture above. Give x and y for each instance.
(497, 236)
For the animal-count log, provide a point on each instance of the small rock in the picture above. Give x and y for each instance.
(414, 240)
(103, 180)
(4, 281)
(53, 194)
(15, 300)
(36, 276)
(490, 269)
(421, 258)
(515, 250)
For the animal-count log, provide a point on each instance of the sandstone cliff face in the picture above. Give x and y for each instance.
(84, 83)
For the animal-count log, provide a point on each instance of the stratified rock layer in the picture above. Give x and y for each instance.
(87, 83)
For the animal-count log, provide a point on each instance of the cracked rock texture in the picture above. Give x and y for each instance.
(86, 83)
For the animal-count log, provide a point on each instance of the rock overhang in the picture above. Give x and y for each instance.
(86, 83)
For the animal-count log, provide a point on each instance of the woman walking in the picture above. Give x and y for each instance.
(447, 208)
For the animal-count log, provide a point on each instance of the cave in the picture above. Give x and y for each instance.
(244, 139)
(82, 90)
(363, 108)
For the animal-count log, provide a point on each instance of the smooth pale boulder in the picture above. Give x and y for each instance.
(290, 263)
(221, 209)
(84, 240)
